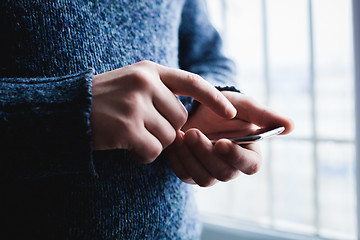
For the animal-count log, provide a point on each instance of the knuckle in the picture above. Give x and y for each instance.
(188, 180)
(145, 63)
(219, 97)
(141, 77)
(183, 116)
(183, 176)
(194, 78)
(148, 153)
(227, 175)
(205, 181)
(147, 66)
(154, 152)
(181, 119)
(170, 138)
(254, 168)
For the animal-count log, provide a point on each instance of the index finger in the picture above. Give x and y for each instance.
(192, 85)
(252, 112)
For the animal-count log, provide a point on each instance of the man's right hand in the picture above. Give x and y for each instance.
(135, 107)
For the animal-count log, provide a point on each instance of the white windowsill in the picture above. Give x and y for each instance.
(215, 228)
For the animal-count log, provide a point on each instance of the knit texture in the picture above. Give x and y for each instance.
(53, 185)
(34, 114)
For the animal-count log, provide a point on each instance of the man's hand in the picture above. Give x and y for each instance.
(135, 107)
(195, 159)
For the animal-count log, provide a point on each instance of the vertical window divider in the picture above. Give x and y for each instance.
(270, 182)
(313, 119)
(225, 34)
(223, 19)
(356, 35)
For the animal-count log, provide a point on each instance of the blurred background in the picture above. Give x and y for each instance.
(295, 56)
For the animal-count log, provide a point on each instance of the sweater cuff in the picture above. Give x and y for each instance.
(45, 126)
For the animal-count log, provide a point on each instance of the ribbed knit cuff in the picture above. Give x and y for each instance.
(45, 126)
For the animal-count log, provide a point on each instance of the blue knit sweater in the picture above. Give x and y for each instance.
(53, 185)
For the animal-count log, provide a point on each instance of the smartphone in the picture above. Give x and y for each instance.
(263, 134)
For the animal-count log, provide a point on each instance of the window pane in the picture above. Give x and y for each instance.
(214, 200)
(293, 173)
(289, 61)
(216, 15)
(244, 41)
(334, 68)
(337, 188)
(307, 180)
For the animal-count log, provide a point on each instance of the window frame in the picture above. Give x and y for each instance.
(356, 33)
(217, 227)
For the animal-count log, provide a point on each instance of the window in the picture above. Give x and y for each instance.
(296, 57)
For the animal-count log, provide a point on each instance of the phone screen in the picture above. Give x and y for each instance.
(266, 133)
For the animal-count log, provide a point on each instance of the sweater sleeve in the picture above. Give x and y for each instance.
(200, 46)
(44, 126)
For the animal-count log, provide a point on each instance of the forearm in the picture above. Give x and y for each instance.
(200, 47)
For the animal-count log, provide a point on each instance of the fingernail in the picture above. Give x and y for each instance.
(231, 112)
